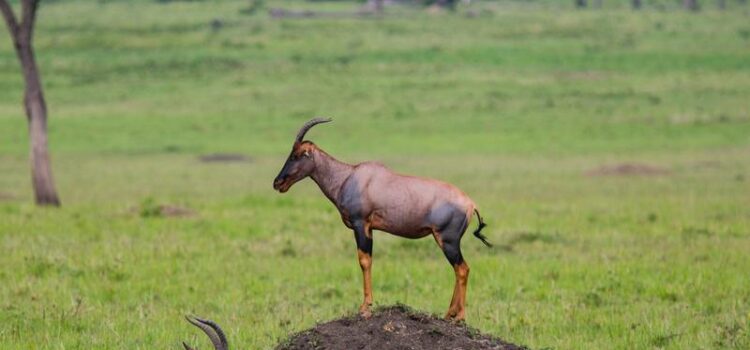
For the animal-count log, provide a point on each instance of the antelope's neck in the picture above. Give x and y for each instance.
(330, 174)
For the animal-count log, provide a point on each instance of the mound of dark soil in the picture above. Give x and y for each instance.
(393, 327)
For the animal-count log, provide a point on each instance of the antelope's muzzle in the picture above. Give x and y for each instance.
(279, 184)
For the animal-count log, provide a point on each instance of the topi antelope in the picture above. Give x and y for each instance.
(212, 330)
(369, 197)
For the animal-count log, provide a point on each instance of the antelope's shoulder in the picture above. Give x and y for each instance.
(371, 169)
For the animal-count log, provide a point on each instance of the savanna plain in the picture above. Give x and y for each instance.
(608, 150)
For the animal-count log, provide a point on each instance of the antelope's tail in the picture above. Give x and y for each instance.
(478, 231)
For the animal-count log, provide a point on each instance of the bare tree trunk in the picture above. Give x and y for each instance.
(691, 5)
(36, 109)
(36, 112)
(722, 4)
(580, 3)
(636, 4)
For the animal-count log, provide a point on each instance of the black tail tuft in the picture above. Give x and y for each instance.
(478, 231)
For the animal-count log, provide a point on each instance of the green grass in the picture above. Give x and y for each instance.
(514, 107)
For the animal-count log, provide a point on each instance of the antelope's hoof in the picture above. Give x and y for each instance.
(365, 312)
(454, 316)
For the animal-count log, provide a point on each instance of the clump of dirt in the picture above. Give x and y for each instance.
(150, 209)
(628, 169)
(224, 158)
(393, 327)
(172, 211)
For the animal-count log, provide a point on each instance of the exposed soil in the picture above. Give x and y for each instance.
(628, 169)
(224, 158)
(172, 211)
(152, 210)
(6, 197)
(393, 327)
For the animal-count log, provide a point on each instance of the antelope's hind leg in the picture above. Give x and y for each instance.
(452, 251)
(363, 236)
(449, 240)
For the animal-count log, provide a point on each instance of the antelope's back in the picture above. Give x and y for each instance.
(409, 206)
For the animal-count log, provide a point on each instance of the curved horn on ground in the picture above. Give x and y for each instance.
(212, 330)
(303, 130)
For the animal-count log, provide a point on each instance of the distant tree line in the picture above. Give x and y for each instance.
(690, 5)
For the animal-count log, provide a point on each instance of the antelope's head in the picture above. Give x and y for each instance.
(300, 162)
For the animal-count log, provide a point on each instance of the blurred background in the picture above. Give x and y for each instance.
(606, 142)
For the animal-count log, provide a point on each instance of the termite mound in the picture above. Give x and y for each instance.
(393, 327)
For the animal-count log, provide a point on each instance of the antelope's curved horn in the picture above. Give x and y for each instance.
(303, 130)
(212, 330)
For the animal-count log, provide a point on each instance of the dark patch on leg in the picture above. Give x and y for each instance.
(364, 241)
(451, 224)
(452, 251)
(350, 203)
(449, 220)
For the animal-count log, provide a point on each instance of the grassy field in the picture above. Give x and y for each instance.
(521, 107)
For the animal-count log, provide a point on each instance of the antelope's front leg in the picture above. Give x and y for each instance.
(363, 236)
